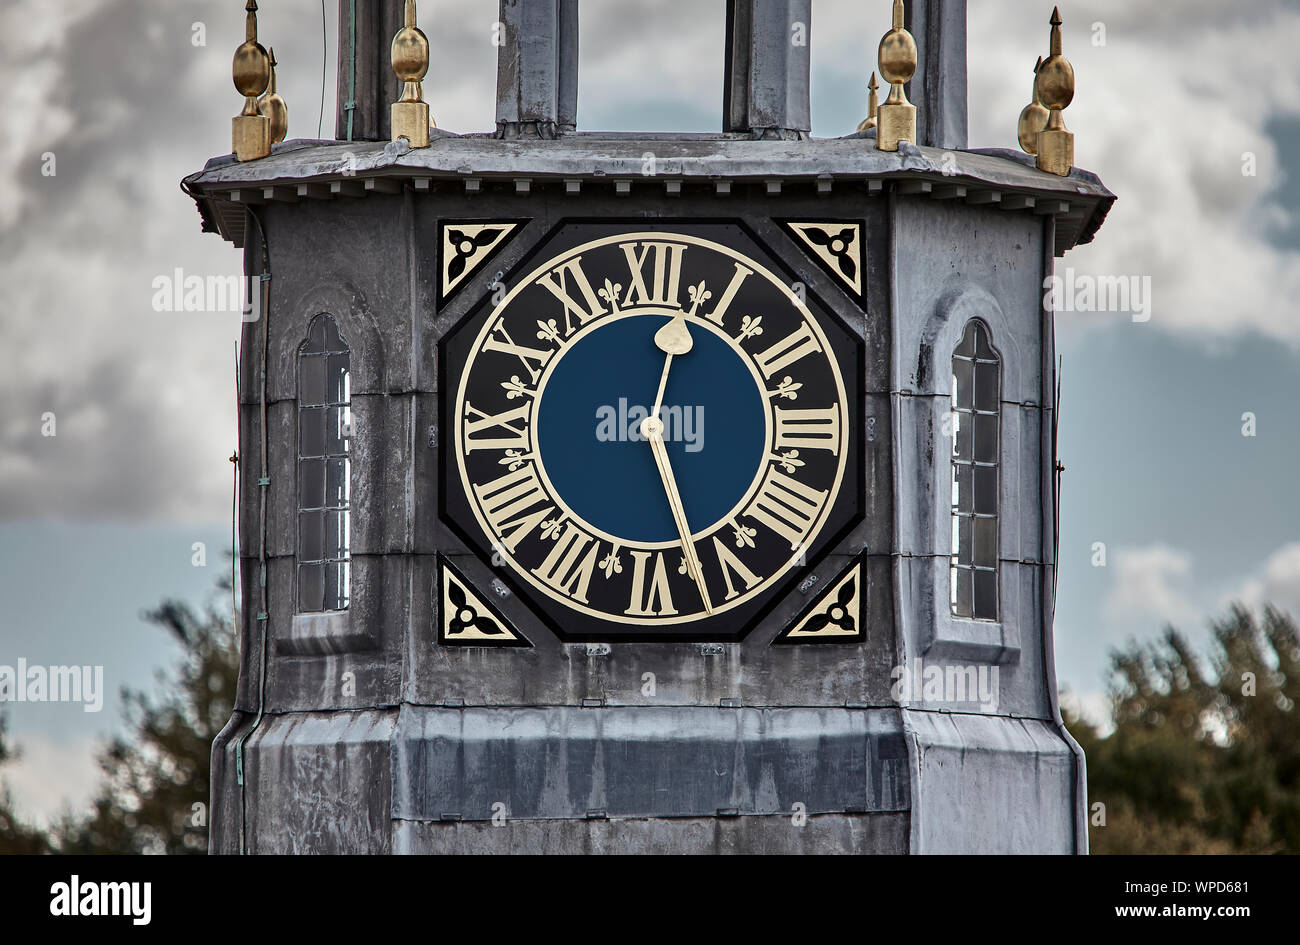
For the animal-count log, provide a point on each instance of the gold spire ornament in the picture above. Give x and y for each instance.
(873, 105)
(251, 70)
(896, 120)
(1033, 118)
(410, 53)
(1055, 89)
(273, 106)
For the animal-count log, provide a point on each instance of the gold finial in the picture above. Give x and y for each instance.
(896, 119)
(410, 54)
(873, 105)
(251, 71)
(1055, 90)
(273, 106)
(1033, 118)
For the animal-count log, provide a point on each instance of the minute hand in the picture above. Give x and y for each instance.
(653, 430)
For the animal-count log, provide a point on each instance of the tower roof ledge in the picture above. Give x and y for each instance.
(302, 169)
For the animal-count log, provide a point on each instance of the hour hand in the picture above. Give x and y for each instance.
(652, 428)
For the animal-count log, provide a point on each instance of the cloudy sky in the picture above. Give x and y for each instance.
(120, 99)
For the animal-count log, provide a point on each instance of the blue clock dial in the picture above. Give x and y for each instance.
(589, 439)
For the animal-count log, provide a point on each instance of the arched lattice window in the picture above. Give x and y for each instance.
(976, 403)
(324, 468)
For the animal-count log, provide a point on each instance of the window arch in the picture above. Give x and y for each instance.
(976, 415)
(324, 468)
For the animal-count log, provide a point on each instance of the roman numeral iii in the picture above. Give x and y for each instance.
(787, 506)
(813, 429)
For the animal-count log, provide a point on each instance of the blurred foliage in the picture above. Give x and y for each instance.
(1205, 752)
(155, 774)
(14, 836)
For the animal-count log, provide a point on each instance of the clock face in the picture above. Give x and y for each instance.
(651, 430)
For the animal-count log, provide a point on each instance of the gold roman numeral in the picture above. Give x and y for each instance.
(814, 429)
(786, 506)
(729, 295)
(504, 502)
(788, 350)
(729, 563)
(643, 602)
(565, 568)
(560, 289)
(516, 435)
(665, 279)
(530, 356)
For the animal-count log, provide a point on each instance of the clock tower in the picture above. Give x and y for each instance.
(647, 493)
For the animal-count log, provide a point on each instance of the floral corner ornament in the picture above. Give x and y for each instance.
(836, 615)
(464, 247)
(465, 618)
(837, 246)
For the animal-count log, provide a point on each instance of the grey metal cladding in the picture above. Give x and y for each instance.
(647, 761)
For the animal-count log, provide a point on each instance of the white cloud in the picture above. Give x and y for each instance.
(52, 777)
(1158, 117)
(1093, 707)
(1277, 583)
(1151, 582)
(31, 38)
(1158, 583)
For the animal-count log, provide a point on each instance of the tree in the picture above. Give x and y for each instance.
(155, 776)
(1205, 755)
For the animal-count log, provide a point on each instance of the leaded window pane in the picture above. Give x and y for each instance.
(311, 483)
(985, 548)
(985, 438)
(311, 431)
(311, 381)
(311, 587)
(986, 490)
(963, 437)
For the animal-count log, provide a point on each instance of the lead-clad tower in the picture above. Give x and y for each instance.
(642, 492)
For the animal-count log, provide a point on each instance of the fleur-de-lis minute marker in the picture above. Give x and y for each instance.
(750, 326)
(550, 331)
(788, 460)
(515, 388)
(514, 459)
(787, 389)
(610, 294)
(743, 534)
(611, 564)
(699, 295)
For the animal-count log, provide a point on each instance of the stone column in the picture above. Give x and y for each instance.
(767, 68)
(375, 86)
(537, 68)
(938, 89)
